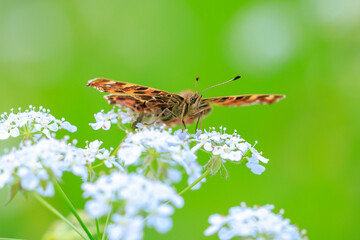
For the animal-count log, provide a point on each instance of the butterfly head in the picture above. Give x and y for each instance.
(190, 96)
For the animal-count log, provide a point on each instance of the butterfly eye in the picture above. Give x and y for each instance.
(194, 98)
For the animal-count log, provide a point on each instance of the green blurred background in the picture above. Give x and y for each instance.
(306, 49)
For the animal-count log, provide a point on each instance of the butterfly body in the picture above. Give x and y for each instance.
(170, 108)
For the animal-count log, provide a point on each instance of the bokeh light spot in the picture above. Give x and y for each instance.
(261, 39)
(34, 32)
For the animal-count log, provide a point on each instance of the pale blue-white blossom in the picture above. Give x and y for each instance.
(109, 159)
(229, 147)
(159, 218)
(254, 162)
(125, 227)
(253, 223)
(168, 150)
(137, 196)
(34, 165)
(105, 120)
(31, 123)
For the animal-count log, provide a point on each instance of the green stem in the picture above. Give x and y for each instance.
(97, 228)
(120, 126)
(196, 181)
(106, 223)
(116, 150)
(72, 209)
(97, 165)
(52, 209)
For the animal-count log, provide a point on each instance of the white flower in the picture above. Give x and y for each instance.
(156, 146)
(108, 158)
(65, 125)
(126, 116)
(34, 165)
(216, 221)
(160, 218)
(125, 228)
(253, 223)
(138, 196)
(97, 208)
(31, 122)
(92, 150)
(129, 154)
(4, 133)
(104, 120)
(45, 125)
(229, 147)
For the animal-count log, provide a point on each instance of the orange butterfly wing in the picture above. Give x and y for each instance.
(151, 105)
(244, 100)
(152, 101)
(139, 98)
(111, 86)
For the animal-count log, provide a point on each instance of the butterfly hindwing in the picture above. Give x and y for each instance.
(126, 101)
(141, 103)
(244, 100)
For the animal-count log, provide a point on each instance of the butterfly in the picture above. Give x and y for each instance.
(170, 108)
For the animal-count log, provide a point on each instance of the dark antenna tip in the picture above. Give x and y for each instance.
(196, 83)
(237, 77)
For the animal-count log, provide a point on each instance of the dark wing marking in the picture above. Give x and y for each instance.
(151, 105)
(111, 86)
(126, 101)
(244, 100)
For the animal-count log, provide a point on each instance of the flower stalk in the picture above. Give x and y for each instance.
(106, 223)
(58, 214)
(97, 228)
(72, 209)
(196, 181)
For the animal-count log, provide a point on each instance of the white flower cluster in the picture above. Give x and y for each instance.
(253, 223)
(31, 122)
(104, 120)
(136, 197)
(34, 166)
(137, 193)
(164, 153)
(229, 147)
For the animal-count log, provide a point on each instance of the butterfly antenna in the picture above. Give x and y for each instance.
(237, 77)
(196, 83)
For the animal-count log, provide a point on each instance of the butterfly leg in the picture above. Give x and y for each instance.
(197, 123)
(183, 124)
(201, 120)
(182, 118)
(158, 117)
(140, 116)
(138, 119)
(202, 113)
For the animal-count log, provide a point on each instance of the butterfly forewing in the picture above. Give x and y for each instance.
(111, 86)
(244, 100)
